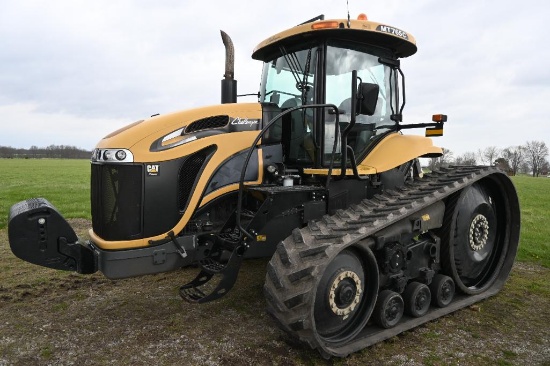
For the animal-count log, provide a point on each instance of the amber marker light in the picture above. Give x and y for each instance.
(325, 25)
(439, 118)
(362, 16)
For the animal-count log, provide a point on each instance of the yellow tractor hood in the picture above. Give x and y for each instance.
(162, 137)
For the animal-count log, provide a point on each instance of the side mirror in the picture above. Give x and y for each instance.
(367, 98)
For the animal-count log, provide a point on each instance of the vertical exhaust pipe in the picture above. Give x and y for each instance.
(229, 84)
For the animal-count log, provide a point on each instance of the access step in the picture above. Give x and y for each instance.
(204, 288)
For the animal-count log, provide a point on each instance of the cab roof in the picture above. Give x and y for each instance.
(400, 42)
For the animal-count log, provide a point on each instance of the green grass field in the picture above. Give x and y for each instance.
(534, 200)
(66, 184)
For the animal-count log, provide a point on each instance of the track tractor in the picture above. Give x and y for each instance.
(317, 175)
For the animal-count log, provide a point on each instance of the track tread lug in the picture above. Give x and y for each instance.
(283, 254)
(313, 226)
(295, 301)
(298, 325)
(274, 277)
(274, 305)
(314, 252)
(297, 236)
(301, 274)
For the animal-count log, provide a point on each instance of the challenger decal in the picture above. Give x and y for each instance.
(392, 30)
(244, 121)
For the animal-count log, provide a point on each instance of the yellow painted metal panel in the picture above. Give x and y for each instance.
(363, 170)
(368, 27)
(397, 149)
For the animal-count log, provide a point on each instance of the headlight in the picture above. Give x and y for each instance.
(120, 155)
(112, 156)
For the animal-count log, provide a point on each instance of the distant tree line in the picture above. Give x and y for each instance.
(52, 151)
(530, 158)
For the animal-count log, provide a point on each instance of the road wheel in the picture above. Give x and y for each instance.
(443, 290)
(417, 299)
(389, 309)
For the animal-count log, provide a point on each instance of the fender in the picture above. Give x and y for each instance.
(396, 149)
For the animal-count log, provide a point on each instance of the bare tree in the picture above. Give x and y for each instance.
(489, 155)
(468, 158)
(503, 164)
(444, 160)
(524, 168)
(515, 155)
(545, 168)
(536, 153)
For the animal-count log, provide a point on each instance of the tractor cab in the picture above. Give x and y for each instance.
(314, 64)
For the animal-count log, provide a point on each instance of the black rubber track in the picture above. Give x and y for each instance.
(300, 260)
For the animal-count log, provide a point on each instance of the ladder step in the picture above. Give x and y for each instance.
(193, 294)
(212, 266)
(201, 290)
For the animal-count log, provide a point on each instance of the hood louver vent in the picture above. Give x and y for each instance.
(207, 123)
(189, 173)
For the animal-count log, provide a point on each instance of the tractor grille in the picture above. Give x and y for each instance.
(116, 199)
(206, 123)
(188, 173)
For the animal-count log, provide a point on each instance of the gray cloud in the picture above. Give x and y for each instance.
(86, 68)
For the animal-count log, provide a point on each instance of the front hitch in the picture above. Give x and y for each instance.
(40, 235)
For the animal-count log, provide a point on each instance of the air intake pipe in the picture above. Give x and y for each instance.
(229, 84)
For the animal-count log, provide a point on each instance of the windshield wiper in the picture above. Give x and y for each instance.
(293, 64)
(305, 87)
(296, 69)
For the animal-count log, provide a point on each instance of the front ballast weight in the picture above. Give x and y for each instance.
(40, 235)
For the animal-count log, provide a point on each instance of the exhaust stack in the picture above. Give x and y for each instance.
(229, 84)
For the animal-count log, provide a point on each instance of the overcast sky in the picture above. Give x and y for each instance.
(71, 71)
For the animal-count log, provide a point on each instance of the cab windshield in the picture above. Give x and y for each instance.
(289, 80)
(293, 80)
